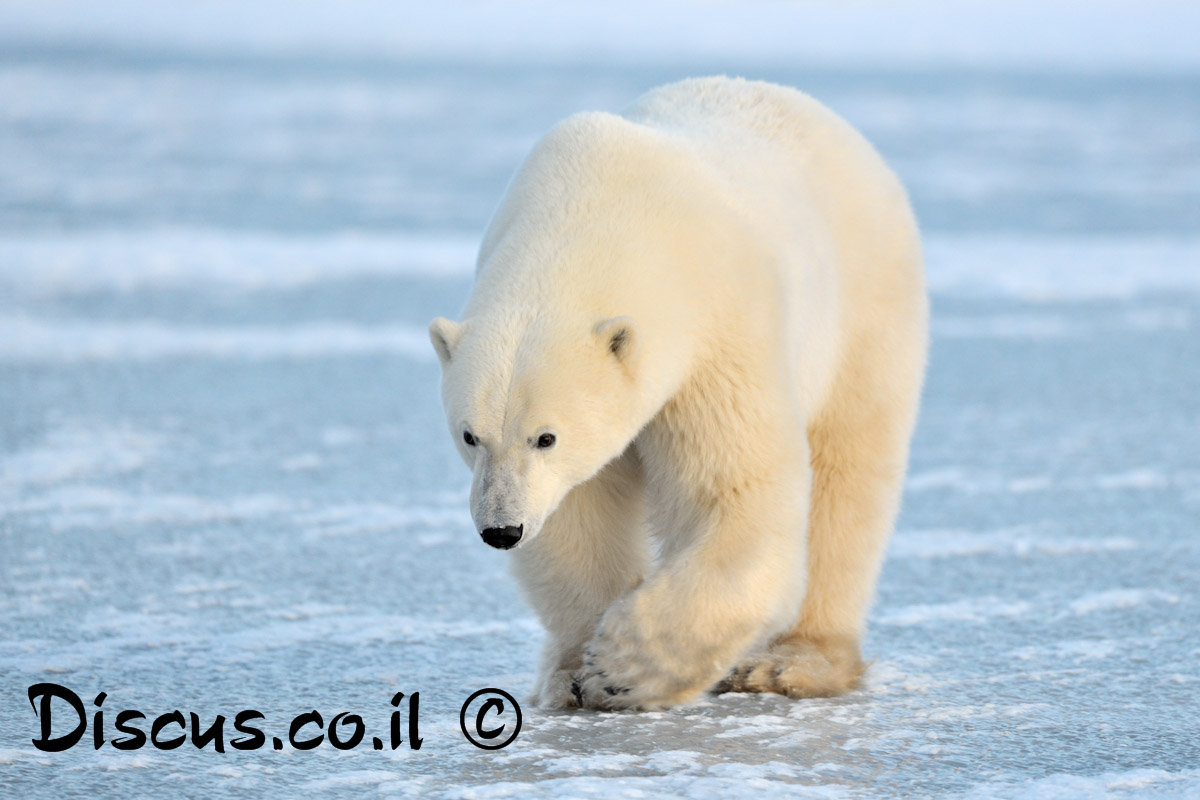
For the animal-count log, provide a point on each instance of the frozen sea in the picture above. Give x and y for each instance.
(226, 484)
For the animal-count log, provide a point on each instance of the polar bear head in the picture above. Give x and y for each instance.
(535, 407)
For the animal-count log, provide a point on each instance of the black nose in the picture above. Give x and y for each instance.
(504, 538)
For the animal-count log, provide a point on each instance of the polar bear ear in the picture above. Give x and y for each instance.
(444, 334)
(619, 336)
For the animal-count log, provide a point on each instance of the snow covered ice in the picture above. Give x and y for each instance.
(225, 481)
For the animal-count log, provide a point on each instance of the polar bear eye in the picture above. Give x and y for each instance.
(546, 440)
(468, 438)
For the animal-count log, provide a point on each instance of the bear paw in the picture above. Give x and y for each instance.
(556, 691)
(620, 672)
(799, 667)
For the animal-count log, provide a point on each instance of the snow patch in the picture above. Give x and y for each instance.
(1015, 542)
(1044, 269)
(1119, 599)
(24, 339)
(83, 506)
(10, 755)
(184, 259)
(359, 777)
(979, 609)
(963, 481)
(76, 450)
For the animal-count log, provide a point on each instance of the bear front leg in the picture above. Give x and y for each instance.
(739, 580)
(592, 549)
(728, 479)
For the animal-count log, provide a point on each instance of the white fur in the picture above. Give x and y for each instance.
(715, 302)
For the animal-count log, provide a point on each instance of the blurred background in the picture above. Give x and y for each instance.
(225, 480)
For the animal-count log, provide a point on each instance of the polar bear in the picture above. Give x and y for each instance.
(686, 380)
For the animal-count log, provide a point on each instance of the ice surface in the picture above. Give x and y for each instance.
(225, 480)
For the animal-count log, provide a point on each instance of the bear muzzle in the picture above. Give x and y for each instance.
(504, 538)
